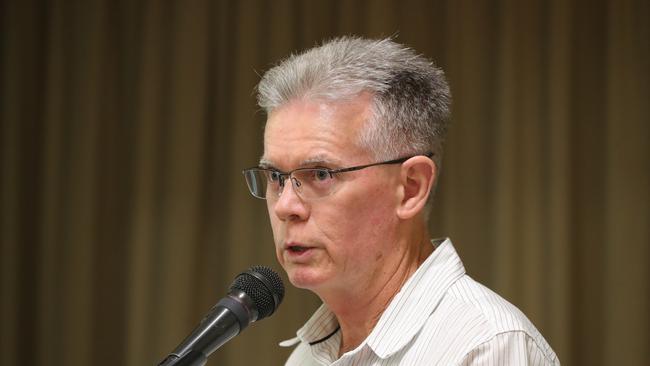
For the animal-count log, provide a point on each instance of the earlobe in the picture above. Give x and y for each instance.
(418, 175)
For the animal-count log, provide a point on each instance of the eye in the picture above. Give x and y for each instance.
(274, 176)
(321, 174)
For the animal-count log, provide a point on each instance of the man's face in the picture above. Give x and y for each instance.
(341, 241)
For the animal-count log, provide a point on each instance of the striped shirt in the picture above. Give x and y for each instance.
(441, 316)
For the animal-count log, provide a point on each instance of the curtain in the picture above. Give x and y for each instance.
(125, 125)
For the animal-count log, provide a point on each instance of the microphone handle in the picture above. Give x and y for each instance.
(217, 328)
(193, 358)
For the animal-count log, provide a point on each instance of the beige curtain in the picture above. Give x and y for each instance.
(125, 125)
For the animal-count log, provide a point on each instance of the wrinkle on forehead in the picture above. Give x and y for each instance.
(363, 102)
(318, 130)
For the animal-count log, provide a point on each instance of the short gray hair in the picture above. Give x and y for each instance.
(411, 97)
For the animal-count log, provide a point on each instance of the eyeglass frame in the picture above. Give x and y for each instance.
(283, 176)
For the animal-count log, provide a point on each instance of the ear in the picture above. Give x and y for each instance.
(417, 177)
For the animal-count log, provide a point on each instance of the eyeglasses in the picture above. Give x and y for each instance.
(308, 183)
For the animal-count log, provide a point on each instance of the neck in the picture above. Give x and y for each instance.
(358, 309)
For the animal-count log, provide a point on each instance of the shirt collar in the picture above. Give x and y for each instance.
(420, 296)
(416, 301)
(319, 327)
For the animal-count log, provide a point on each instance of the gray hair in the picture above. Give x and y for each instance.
(411, 96)
(410, 111)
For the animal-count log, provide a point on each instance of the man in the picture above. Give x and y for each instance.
(352, 152)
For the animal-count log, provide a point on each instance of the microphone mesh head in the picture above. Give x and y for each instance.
(263, 286)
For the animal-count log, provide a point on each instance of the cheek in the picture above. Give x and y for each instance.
(359, 220)
(376, 218)
(376, 226)
(379, 208)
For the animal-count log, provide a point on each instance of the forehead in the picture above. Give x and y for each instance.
(303, 132)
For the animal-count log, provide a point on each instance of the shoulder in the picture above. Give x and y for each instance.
(511, 348)
(488, 323)
(499, 314)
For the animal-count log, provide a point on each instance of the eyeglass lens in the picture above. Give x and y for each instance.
(308, 183)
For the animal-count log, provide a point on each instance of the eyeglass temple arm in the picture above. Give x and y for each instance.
(394, 161)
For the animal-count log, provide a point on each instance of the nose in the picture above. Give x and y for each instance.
(289, 206)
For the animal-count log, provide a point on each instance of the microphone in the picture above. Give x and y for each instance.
(254, 294)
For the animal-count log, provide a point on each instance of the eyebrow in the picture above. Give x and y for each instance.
(264, 163)
(318, 159)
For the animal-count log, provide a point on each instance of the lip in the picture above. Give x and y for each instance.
(297, 250)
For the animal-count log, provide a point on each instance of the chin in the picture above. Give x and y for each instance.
(305, 278)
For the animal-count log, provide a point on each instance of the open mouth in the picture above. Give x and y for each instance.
(297, 249)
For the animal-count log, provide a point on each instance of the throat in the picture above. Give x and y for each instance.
(356, 327)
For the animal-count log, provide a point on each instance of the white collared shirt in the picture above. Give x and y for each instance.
(441, 316)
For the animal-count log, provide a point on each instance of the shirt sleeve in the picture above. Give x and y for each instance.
(510, 348)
